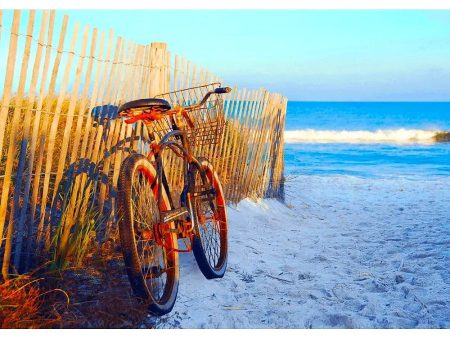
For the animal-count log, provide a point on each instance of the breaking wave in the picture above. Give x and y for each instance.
(363, 136)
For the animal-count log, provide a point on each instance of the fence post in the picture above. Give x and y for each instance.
(276, 177)
(157, 78)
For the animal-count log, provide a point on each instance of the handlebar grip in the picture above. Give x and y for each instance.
(222, 90)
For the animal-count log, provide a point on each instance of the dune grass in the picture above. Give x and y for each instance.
(21, 302)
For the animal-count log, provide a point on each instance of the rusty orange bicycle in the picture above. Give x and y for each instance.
(150, 223)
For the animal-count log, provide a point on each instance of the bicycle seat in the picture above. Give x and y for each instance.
(161, 104)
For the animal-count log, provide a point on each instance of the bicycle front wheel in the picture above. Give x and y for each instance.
(152, 268)
(210, 244)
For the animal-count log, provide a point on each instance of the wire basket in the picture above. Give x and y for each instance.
(208, 121)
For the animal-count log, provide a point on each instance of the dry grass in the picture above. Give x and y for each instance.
(100, 293)
(97, 295)
(21, 304)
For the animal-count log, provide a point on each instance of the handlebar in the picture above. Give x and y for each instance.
(220, 90)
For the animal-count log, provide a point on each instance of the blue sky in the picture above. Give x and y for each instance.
(370, 55)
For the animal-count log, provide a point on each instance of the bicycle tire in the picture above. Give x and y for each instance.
(138, 212)
(211, 259)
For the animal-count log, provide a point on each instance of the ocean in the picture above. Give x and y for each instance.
(367, 139)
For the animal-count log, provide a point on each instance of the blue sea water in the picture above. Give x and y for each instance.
(367, 139)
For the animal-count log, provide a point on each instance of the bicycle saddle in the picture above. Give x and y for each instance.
(161, 104)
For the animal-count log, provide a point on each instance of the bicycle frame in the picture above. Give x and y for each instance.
(182, 150)
(176, 140)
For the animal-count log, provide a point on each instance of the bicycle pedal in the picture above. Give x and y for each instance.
(174, 214)
(199, 193)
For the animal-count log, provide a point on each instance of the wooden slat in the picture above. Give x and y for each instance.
(271, 151)
(34, 140)
(238, 160)
(246, 135)
(53, 130)
(119, 151)
(47, 104)
(167, 72)
(257, 144)
(260, 134)
(95, 149)
(90, 130)
(82, 113)
(83, 187)
(67, 135)
(183, 75)
(255, 186)
(146, 73)
(9, 77)
(120, 127)
(17, 115)
(176, 75)
(225, 147)
(232, 123)
(233, 145)
(7, 92)
(24, 144)
(253, 138)
(113, 126)
(243, 127)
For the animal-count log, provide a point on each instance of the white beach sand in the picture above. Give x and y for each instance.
(347, 253)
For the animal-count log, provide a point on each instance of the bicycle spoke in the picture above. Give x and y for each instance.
(153, 259)
(209, 230)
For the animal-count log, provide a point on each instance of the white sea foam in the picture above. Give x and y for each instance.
(360, 136)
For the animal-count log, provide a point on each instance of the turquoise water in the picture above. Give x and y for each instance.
(367, 139)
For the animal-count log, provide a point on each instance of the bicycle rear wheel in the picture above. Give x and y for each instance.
(152, 269)
(210, 243)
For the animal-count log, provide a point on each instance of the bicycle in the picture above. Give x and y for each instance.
(149, 223)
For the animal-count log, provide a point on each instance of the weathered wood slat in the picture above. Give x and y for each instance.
(23, 160)
(67, 135)
(17, 114)
(27, 119)
(50, 147)
(112, 125)
(7, 93)
(47, 104)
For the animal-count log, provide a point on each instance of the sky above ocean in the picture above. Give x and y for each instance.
(327, 55)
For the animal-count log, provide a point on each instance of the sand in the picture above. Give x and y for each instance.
(343, 252)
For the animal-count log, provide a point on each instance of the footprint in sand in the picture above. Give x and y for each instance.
(306, 276)
(248, 278)
(405, 323)
(354, 305)
(318, 259)
(338, 320)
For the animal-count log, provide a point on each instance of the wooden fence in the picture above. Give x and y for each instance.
(61, 148)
